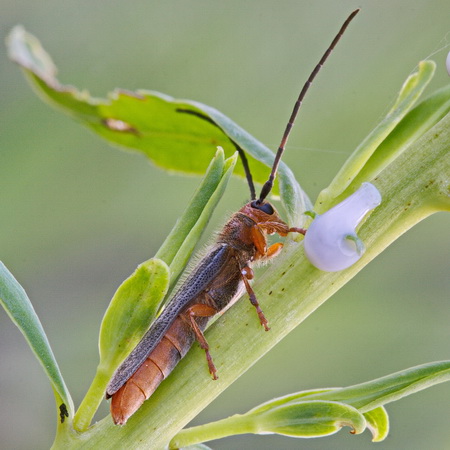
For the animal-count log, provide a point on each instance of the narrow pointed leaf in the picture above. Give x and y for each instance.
(139, 298)
(179, 245)
(372, 394)
(19, 308)
(171, 246)
(295, 397)
(409, 94)
(416, 123)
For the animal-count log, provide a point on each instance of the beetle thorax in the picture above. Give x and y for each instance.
(250, 221)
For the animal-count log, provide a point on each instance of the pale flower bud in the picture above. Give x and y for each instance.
(331, 243)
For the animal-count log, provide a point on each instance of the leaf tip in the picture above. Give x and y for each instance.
(220, 153)
(26, 50)
(427, 64)
(231, 161)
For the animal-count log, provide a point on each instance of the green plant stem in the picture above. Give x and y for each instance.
(91, 401)
(413, 186)
(214, 430)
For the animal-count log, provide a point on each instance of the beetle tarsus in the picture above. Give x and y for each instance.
(297, 230)
(201, 310)
(247, 273)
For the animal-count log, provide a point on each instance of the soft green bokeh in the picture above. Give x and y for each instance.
(73, 226)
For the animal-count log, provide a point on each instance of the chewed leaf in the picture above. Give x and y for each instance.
(19, 308)
(169, 132)
(166, 130)
(378, 423)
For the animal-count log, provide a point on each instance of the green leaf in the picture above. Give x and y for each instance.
(294, 199)
(411, 90)
(126, 320)
(373, 394)
(19, 308)
(132, 309)
(179, 245)
(308, 419)
(295, 397)
(176, 135)
(302, 419)
(139, 298)
(416, 123)
(378, 423)
(322, 412)
(150, 122)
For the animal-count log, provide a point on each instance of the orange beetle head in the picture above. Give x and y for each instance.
(265, 216)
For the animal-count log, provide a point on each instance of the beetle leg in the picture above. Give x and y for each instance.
(201, 310)
(297, 230)
(247, 274)
(258, 240)
(274, 250)
(280, 228)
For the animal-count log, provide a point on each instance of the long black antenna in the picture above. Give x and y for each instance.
(241, 152)
(269, 183)
(248, 174)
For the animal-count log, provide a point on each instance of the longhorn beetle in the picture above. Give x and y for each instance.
(219, 278)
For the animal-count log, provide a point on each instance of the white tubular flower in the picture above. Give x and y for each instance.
(331, 243)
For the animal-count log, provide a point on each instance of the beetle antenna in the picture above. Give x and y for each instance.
(269, 183)
(248, 174)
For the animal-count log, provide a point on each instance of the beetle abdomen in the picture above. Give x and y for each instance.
(159, 364)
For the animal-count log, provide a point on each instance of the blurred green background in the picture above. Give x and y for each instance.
(77, 216)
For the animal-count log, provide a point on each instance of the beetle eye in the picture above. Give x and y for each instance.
(264, 207)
